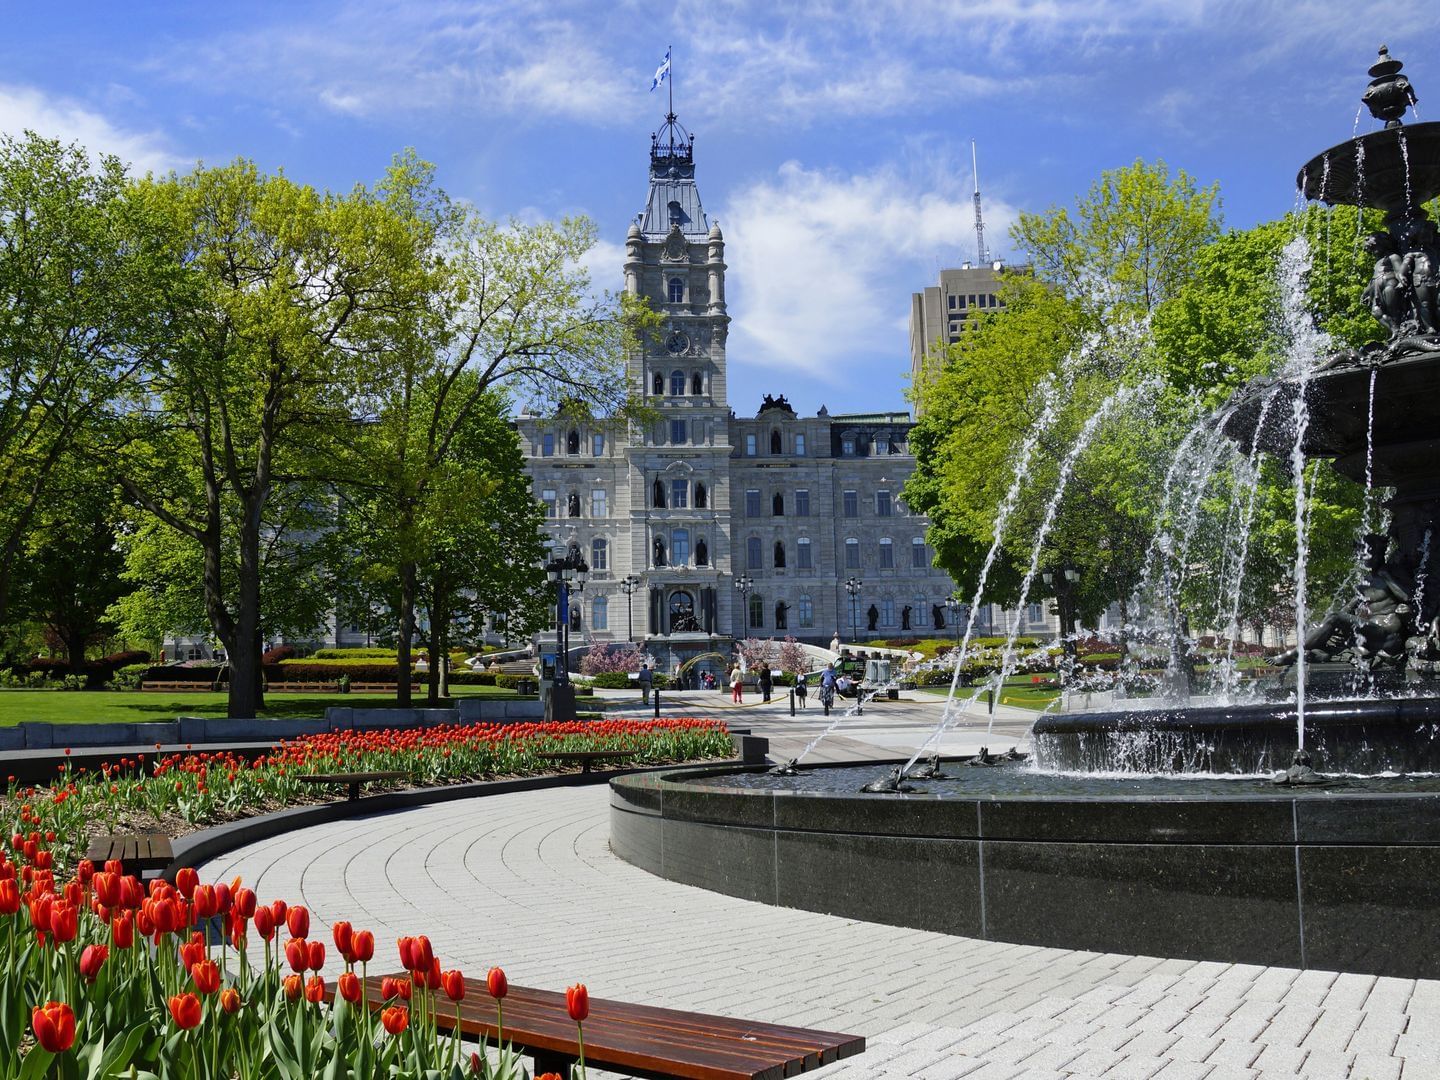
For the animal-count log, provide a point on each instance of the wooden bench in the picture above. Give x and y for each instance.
(379, 688)
(138, 852)
(585, 758)
(302, 687)
(351, 780)
(639, 1040)
(187, 685)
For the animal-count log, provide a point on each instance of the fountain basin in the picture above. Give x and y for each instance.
(1232, 870)
(1393, 169)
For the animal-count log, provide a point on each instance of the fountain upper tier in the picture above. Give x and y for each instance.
(1395, 169)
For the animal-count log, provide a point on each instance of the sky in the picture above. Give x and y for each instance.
(833, 139)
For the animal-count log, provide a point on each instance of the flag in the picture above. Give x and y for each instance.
(662, 72)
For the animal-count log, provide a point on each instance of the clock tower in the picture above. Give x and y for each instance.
(678, 463)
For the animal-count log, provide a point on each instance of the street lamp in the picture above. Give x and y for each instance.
(743, 584)
(953, 606)
(852, 586)
(1063, 580)
(628, 587)
(563, 571)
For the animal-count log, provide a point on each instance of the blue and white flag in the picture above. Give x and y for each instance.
(662, 72)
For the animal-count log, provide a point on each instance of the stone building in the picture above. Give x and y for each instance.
(728, 525)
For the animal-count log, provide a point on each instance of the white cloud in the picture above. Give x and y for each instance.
(24, 108)
(822, 264)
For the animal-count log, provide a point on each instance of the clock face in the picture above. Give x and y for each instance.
(677, 342)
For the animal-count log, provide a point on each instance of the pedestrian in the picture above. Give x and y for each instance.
(645, 679)
(827, 687)
(737, 685)
(766, 682)
(800, 690)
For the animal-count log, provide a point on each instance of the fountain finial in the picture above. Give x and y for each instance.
(1389, 93)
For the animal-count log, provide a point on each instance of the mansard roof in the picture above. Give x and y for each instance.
(673, 195)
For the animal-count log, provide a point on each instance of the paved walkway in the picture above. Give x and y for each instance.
(528, 881)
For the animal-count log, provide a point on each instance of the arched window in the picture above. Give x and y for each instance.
(682, 613)
(702, 553)
(677, 383)
(852, 553)
(776, 446)
(699, 496)
(600, 613)
(572, 442)
(779, 553)
(658, 494)
(752, 553)
(697, 384)
(677, 290)
(807, 612)
(887, 554)
(777, 505)
(757, 611)
(658, 384)
(599, 555)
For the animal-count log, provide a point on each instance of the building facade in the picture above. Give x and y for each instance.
(723, 525)
(940, 313)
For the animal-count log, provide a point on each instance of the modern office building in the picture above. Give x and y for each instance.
(940, 313)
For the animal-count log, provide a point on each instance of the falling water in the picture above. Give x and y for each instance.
(1355, 130)
(1405, 158)
(1422, 571)
(1370, 451)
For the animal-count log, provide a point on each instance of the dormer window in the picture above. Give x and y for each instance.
(677, 215)
(677, 290)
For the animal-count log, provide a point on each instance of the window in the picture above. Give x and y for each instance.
(547, 445)
(657, 494)
(887, 554)
(851, 501)
(597, 445)
(599, 503)
(752, 553)
(1033, 613)
(802, 503)
(699, 496)
(680, 547)
(677, 384)
(658, 384)
(750, 445)
(952, 298)
(757, 611)
(677, 432)
(682, 613)
(882, 445)
(572, 442)
(599, 555)
(807, 612)
(847, 447)
(777, 505)
(887, 611)
(752, 502)
(776, 445)
(779, 554)
(882, 504)
(799, 445)
(917, 554)
(697, 384)
(852, 553)
(677, 290)
(679, 494)
(802, 554)
(548, 498)
(600, 613)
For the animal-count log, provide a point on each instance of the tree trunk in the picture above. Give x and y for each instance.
(439, 645)
(246, 676)
(407, 633)
(75, 652)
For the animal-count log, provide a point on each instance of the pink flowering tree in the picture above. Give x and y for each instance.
(757, 654)
(793, 660)
(602, 658)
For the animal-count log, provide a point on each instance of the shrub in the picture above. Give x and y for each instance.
(279, 654)
(198, 674)
(129, 676)
(472, 678)
(330, 671)
(366, 653)
(512, 682)
(127, 658)
(612, 680)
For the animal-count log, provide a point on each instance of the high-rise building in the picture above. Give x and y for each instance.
(940, 313)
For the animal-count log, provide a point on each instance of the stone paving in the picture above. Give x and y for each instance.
(528, 881)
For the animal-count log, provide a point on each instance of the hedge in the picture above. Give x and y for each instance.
(182, 674)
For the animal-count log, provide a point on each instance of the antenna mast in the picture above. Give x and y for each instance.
(982, 253)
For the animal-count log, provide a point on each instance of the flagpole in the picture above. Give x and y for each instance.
(670, 57)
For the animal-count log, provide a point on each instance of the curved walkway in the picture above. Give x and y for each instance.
(527, 881)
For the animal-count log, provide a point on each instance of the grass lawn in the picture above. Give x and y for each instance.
(138, 706)
(1018, 691)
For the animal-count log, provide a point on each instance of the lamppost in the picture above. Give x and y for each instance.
(571, 567)
(628, 587)
(852, 586)
(743, 584)
(953, 606)
(1063, 580)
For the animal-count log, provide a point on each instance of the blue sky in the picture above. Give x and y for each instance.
(833, 139)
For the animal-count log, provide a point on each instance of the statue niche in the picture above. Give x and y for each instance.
(872, 616)
(937, 616)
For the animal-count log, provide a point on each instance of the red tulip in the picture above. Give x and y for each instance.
(186, 880)
(144, 923)
(84, 871)
(40, 907)
(74, 893)
(205, 902)
(395, 1019)
(265, 923)
(349, 986)
(315, 955)
(54, 1026)
(454, 985)
(107, 889)
(390, 988)
(92, 959)
(230, 1000)
(344, 935)
(577, 1002)
(224, 899)
(9, 897)
(497, 984)
(186, 1011)
(296, 955)
(298, 921)
(64, 922)
(315, 990)
(362, 947)
(206, 976)
(279, 910)
(293, 987)
(114, 866)
(238, 930)
(122, 930)
(245, 904)
(131, 894)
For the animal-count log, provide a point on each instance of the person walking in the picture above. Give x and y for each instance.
(766, 682)
(827, 687)
(800, 691)
(737, 685)
(645, 679)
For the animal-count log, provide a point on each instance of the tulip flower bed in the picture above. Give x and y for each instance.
(101, 977)
(180, 793)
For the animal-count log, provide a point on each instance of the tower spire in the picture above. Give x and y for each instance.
(982, 253)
